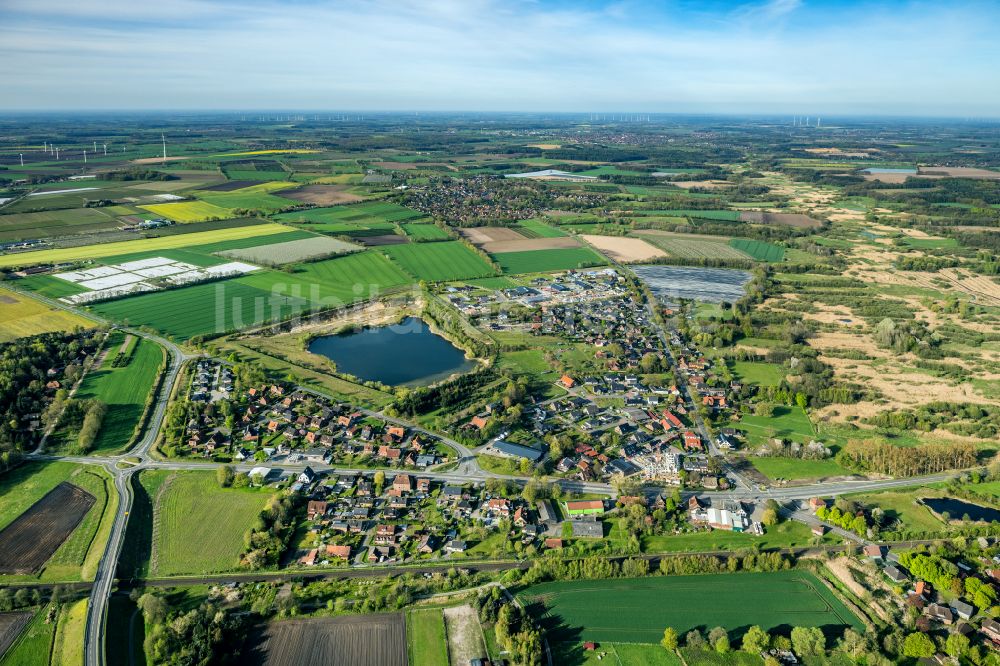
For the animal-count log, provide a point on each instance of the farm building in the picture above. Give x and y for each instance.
(585, 508)
(511, 450)
(587, 529)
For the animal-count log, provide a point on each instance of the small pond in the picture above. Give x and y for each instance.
(957, 509)
(403, 354)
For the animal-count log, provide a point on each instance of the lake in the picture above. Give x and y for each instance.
(712, 285)
(403, 354)
(957, 509)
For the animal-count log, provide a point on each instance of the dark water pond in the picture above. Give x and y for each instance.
(957, 509)
(403, 354)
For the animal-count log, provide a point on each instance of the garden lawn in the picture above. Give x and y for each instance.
(540, 261)
(199, 526)
(124, 390)
(426, 642)
(438, 262)
(632, 610)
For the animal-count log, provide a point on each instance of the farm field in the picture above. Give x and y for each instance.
(623, 249)
(692, 247)
(29, 541)
(11, 626)
(425, 231)
(124, 390)
(250, 198)
(287, 252)
(349, 640)
(188, 211)
(45, 224)
(438, 262)
(602, 610)
(158, 244)
(538, 229)
(35, 643)
(23, 315)
(540, 261)
(759, 250)
(362, 213)
(199, 526)
(67, 647)
(321, 195)
(425, 637)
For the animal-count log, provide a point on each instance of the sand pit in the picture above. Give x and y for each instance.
(624, 249)
(528, 244)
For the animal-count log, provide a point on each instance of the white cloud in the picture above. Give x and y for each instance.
(491, 55)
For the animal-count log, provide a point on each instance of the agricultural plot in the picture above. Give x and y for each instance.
(166, 242)
(693, 247)
(425, 232)
(604, 610)
(27, 543)
(322, 195)
(46, 224)
(759, 250)
(199, 526)
(11, 626)
(189, 211)
(349, 640)
(203, 309)
(709, 285)
(292, 251)
(538, 229)
(23, 316)
(717, 215)
(425, 636)
(34, 645)
(541, 261)
(625, 250)
(438, 262)
(249, 198)
(124, 390)
(363, 213)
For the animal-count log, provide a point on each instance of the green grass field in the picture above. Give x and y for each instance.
(788, 423)
(763, 374)
(189, 211)
(77, 557)
(540, 261)
(618, 654)
(538, 229)
(782, 535)
(199, 526)
(425, 640)
(173, 241)
(425, 232)
(796, 468)
(438, 262)
(253, 199)
(694, 247)
(258, 297)
(67, 649)
(633, 610)
(759, 250)
(124, 390)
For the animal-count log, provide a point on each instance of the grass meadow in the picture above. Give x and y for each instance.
(425, 637)
(124, 390)
(438, 262)
(199, 526)
(541, 261)
(188, 211)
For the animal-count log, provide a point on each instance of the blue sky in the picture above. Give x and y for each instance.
(770, 56)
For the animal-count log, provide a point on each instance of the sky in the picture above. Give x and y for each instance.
(814, 57)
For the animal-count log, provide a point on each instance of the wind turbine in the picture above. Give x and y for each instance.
(164, 148)
(105, 150)
(22, 158)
